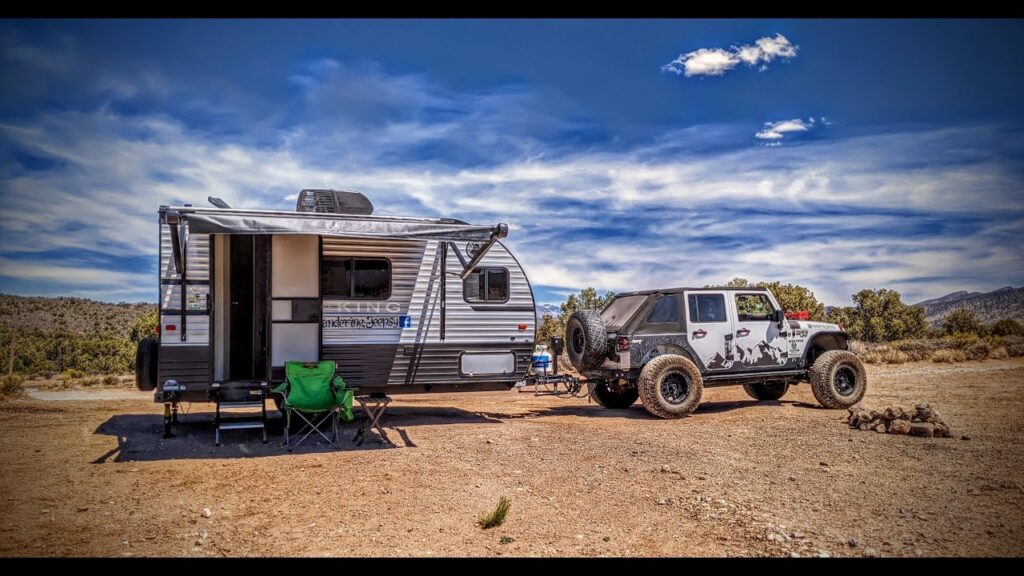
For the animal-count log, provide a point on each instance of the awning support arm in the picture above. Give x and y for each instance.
(177, 242)
(500, 231)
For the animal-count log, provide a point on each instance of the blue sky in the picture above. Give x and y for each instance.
(625, 155)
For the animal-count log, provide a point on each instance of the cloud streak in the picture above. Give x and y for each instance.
(883, 208)
(718, 61)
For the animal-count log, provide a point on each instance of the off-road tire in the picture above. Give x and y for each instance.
(824, 383)
(146, 354)
(586, 339)
(611, 398)
(660, 376)
(766, 391)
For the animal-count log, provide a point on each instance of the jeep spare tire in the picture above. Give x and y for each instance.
(586, 339)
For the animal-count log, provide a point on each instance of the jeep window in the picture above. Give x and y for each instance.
(621, 310)
(665, 310)
(754, 308)
(486, 285)
(707, 308)
(355, 278)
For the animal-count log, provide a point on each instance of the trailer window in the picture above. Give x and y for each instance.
(486, 285)
(707, 308)
(355, 278)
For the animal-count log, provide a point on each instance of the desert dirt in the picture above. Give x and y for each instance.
(93, 477)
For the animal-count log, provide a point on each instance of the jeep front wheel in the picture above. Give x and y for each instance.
(766, 390)
(613, 398)
(670, 386)
(838, 379)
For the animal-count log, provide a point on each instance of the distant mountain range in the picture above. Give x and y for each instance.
(543, 309)
(988, 307)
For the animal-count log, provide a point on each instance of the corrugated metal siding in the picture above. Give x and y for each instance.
(439, 363)
(464, 324)
(197, 254)
(362, 365)
(197, 249)
(189, 366)
(405, 256)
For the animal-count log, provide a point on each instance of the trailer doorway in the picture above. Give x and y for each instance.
(240, 312)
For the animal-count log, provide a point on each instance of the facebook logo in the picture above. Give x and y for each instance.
(405, 321)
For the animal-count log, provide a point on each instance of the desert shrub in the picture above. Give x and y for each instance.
(999, 353)
(111, 380)
(918, 350)
(72, 374)
(11, 386)
(962, 321)
(960, 340)
(1014, 346)
(91, 381)
(885, 355)
(1007, 327)
(978, 351)
(948, 355)
(878, 316)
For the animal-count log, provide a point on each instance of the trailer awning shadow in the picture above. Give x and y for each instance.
(140, 436)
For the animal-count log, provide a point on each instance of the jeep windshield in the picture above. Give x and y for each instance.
(621, 310)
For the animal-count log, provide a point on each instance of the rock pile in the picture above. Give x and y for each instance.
(923, 421)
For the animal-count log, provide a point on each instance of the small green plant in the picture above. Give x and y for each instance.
(497, 517)
(506, 540)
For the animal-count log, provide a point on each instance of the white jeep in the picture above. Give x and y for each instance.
(664, 346)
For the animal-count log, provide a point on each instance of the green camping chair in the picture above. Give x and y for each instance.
(315, 393)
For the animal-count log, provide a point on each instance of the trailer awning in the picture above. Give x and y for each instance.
(336, 225)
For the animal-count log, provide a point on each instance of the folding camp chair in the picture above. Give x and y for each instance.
(316, 394)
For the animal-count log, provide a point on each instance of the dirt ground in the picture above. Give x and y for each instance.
(93, 477)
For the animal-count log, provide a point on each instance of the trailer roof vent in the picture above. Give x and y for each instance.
(333, 202)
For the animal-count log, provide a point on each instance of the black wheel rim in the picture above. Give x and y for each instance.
(845, 381)
(578, 340)
(675, 387)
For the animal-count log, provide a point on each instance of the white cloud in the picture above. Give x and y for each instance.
(718, 61)
(703, 62)
(777, 130)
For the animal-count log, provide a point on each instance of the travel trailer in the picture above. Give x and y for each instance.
(401, 304)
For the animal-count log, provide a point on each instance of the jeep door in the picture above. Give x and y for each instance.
(758, 344)
(709, 328)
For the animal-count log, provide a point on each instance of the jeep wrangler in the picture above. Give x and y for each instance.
(665, 346)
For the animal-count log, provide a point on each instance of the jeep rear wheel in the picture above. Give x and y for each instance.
(766, 390)
(670, 386)
(586, 339)
(838, 379)
(613, 398)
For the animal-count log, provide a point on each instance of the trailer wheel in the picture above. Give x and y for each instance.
(611, 398)
(670, 386)
(766, 390)
(146, 354)
(586, 339)
(838, 379)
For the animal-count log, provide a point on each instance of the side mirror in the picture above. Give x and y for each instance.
(780, 318)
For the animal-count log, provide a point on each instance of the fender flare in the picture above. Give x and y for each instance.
(825, 340)
(668, 348)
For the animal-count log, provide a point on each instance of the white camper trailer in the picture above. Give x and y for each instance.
(401, 304)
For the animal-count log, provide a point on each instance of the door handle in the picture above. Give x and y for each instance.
(699, 334)
(742, 332)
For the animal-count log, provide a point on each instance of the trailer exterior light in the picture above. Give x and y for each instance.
(170, 327)
(522, 327)
(622, 343)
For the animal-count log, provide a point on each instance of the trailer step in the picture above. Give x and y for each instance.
(257, 390)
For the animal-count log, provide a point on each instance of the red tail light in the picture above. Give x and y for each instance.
(157, 328)
(622, 343)
(522, 327)
(170, 327)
